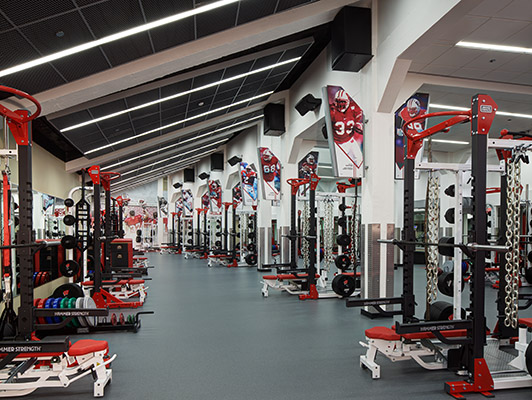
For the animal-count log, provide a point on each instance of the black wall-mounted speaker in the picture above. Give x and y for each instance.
(217, 162)
(351, 39)
(188, 175)
(274, 119)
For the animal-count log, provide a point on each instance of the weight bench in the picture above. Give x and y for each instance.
(28, 371)
(412, 346)
(219, 259)
(124, 289)
(196, 253)
(290, 283)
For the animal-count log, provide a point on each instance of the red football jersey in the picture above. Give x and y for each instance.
(346, 124)
(269, 168)
(416, 126)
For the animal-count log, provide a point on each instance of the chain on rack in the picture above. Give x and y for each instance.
(353, 249)
(513, 222)
(328, 234)
(306, 230)
(433, 224)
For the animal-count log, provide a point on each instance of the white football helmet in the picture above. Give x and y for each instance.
(413, 106)
(267, 155)
(311, 159)
(341, 100)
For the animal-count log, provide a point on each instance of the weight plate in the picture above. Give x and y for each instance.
(343, 240)
(122, 319)
(88, 302)
(449, 215)
(450, 191)
(40, 304)
(114, 320)
(446, 283)
(342, 207)
(48, 304)
(251, 259)
(528, 275)
(69, 202)
(528, 358)
(446, 250)
(79, 304)
(64, 304)
(57, 304)
(69, 242)
(252, 247)
(342, 262)
(68, 290)
(69, 220)
(69, 268)
(441, 311)
(218, 243)
(139, 232)
(72, 304)
(342, 221)
(343, 285)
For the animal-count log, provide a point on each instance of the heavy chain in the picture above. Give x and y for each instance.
(244, 228)
(433, 225)
(328, 234)
(305, 227)
(354, 248)
(513, 177)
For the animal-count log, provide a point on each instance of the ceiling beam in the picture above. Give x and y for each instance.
(188, 55)
(84, 162)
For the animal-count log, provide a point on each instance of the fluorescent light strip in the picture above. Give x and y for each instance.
(495, 47)
(174, 96)
(171, 158)
(505, 113)
(116, 36)
(192, 159)
(184, 141)
(447, 141)
(179, 122)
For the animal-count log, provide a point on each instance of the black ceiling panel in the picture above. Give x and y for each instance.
(219, 20)
(113, 16)
(176, 88)
(114, 123)
(157, 9)
(108, 108)
(25, 11)
(295, 52)
(15, 50)
(203, 95)
(231, 85)
(147, 123)
(119, 131)
(44, 34)
(141, 98)
(34, 80)
(267, 60)
(128, 49)
(81, 65)
(83, 3)
(71, 119)
(145, 112)
(287, 4)
(252, 10)
(4, 24)
(238, 69)
(172, 35)
(206, 79)
(228, 94)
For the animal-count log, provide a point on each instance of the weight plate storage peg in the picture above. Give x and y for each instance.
(343, 240)
(342, 262)
(69, 268)
(343, 285)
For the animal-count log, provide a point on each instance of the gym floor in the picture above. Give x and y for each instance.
(213, 336)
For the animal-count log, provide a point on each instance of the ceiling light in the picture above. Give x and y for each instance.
(499, 112)
(180, 162)
(447, 141)
(116, 36)
(183, 142)
(179, 122)
(174, 96)
(495, 47)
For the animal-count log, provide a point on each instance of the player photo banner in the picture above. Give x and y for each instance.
(414, 106)
(270, 167)
(237, 196)
(248, 181)
(345, 128)
(188, 202)
(307, 166)
(215, 194)
(205, 201)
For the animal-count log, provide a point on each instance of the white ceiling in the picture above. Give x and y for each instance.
(507, 22)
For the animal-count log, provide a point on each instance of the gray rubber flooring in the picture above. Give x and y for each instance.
(213, 336)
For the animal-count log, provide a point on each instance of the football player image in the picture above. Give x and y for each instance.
(271, 170)
(347, 125)
(215, 193)
(249, 182)
(413, 109)
(308, 166)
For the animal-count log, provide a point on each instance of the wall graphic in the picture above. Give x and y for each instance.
(248, 181)
(215, 194)
(271, 174)
(307, 166)
(414, 106)
(345, 127)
